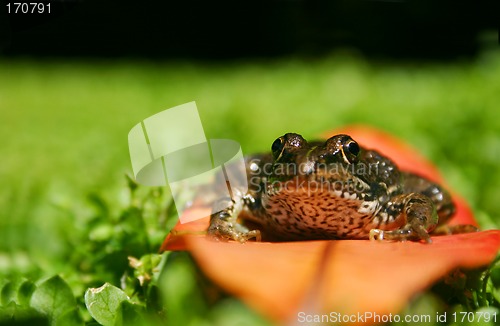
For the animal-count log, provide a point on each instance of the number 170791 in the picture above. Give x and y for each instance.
(28, 8)
(478, 316)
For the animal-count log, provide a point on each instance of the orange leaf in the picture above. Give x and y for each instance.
(280, 280)
(288, 282)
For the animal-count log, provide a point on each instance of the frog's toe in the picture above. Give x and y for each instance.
(229, 233)
(243, 237)
(377, 234)
(403, 234)
(254, 234)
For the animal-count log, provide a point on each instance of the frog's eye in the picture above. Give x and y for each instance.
(278, 145)
(287, 146)
(353, 148)
(350, 150)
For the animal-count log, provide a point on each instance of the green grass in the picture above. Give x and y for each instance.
(64, 151)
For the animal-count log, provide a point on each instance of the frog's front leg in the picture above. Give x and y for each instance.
(224, 223)
(417, 215)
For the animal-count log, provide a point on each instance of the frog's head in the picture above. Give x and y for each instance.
(294, 156)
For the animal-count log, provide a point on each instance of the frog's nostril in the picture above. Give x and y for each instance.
(307, 168)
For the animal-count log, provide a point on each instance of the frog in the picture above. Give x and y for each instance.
(331, 189)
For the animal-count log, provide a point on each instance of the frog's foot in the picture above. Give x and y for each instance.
(225, 226)
(224, 231)
(418, 216)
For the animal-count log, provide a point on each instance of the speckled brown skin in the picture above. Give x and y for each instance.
(329, 190)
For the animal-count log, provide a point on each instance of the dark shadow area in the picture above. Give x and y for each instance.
(196, 29)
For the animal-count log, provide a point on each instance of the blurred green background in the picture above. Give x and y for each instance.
(64, 127)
